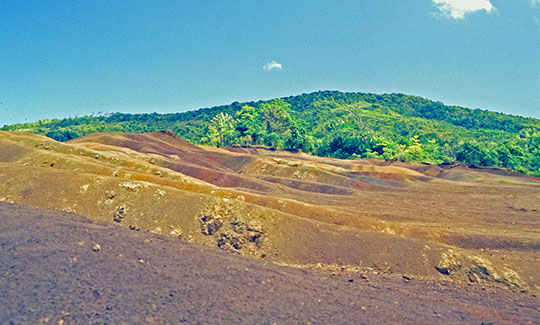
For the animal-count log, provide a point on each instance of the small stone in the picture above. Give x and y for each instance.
(141, 261)
(96, 247)
(110, 194)
(160, 192)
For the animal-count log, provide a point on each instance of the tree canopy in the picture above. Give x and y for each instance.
(336, 124)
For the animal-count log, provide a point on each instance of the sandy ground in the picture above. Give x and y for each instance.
(61, 268)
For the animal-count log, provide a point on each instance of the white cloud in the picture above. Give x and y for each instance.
(272, 65)
(457, 9)
(535, 2)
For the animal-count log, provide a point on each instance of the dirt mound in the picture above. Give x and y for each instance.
(375, 216)
(63, 268)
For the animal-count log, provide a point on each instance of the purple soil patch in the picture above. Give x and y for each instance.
(63, 268)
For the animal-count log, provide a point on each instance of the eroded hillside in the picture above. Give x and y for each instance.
(448, 221)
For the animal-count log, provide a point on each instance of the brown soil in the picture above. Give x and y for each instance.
(61, 268)
(448, 222)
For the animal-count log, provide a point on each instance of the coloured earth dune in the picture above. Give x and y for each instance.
(442, 222)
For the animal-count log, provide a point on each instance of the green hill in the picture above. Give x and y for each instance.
(336, 124)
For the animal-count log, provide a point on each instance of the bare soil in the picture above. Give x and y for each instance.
(435, 222)
(62, 268)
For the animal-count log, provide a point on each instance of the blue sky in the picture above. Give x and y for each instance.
(74, 58)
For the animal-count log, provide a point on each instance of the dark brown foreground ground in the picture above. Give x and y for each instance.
(52, 271)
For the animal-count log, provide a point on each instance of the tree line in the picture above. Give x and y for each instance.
(341, 125)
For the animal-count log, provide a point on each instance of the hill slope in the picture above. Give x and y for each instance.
(374, 216)
(335, 124)
(53, 272)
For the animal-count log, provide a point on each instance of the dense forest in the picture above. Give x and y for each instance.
(336, 124)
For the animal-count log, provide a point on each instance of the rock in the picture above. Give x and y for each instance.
(231, 232)
(110, 194)
(132, 187)
(96, 248)
(176, 232)
(210, 224)
(477, 269)
(238, 226)
(120, 213)
(160, 192)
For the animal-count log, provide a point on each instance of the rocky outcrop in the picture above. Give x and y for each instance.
(459, 266)
(232, 232)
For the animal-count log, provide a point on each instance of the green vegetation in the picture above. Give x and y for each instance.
(335, 124)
